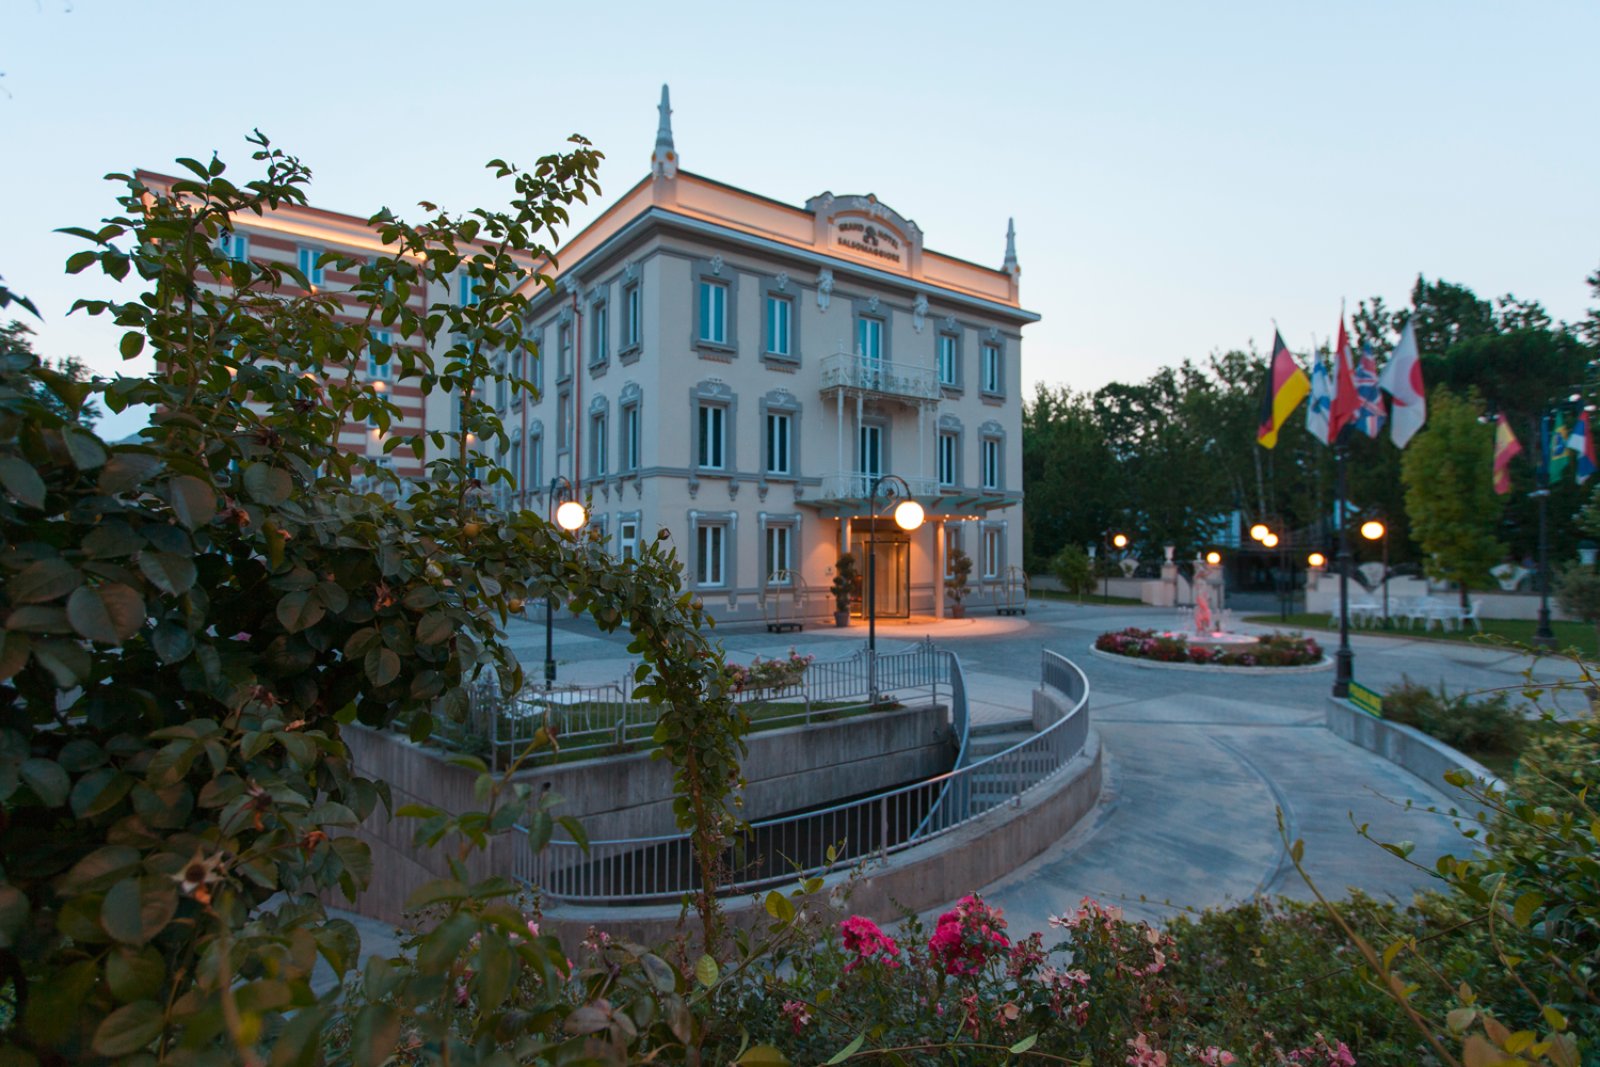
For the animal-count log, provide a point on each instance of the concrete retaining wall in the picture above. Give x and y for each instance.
(631, 796)
(1404, 746)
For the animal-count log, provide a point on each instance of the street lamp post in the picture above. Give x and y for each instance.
(1118, 541)
(1344, 659)
(908, 515)
(1373, 530)
(570, 516)
(1544, 636)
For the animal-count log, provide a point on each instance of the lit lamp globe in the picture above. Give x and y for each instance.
(1213, 558)
(1259, 532)
(908, 515)
(570, 515)
(1120, 540)
(1317, 559)
(1372, 530)
(1270, 539)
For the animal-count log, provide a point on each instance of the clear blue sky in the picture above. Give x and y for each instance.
(1180, 173)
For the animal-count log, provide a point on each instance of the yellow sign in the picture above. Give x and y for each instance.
(1366, 699)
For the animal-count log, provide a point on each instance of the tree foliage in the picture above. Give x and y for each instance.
(1448, 475)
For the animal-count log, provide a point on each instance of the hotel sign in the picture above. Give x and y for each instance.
(867, 236)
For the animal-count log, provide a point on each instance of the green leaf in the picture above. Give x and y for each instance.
(706, 971)
(173, 575)
(1526, 905)
(382, 665)
(127, 470)
(129, 1029)
(267, 485)
(131, 344)
(849, 1050)
(85, 448)
(47, 780)
(779, 907)
(766, 1056)
(13, 913)
(137, 909)
(1024, 1045)
(99, 791)
(22, 481)
(109, 614)
(300, 611)
(43, 580)
(171, 642)
(194, 502)
(135, 975)
(434, 628)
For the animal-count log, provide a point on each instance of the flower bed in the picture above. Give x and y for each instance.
(1270, 650)
(763, 675)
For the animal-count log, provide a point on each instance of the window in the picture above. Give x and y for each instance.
(628, 538)
(714, 313)
(778, 457)
(870, 457)
(991, 463)
(601, 345)
(236, 246)
(869, 337)
(563, 422)
(501, 392)
(378, 366)
(467, 290)
(990, 379)
(991, 551)
(709, 554)
(516, 373)
(515, 465)
(536, 462)
(563, 350)
(632, 326)
(711, 424)
(949, 443)
(779, 541)
(630, 438)
(310, 265)
(948, 359)
(779, 310)
(597, 446)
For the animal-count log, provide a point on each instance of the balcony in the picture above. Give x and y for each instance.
(854, 486)
(880, 377)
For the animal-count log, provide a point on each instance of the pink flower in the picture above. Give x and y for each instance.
(798, 1014)
(1144, 1054)
(1322, 1054)
(870, 944)
(968, 936)
(1212, 1056)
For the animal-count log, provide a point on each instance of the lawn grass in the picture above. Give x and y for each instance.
(1093, 598)
(1573, 635)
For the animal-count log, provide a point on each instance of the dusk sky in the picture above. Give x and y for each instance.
(1181, 174)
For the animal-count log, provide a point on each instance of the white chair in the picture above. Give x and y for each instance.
(1419, 610)
(1471, 615)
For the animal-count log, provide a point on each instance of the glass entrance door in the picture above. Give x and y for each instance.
(891, 551)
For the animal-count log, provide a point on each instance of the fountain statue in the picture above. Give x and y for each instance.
(1204, 622)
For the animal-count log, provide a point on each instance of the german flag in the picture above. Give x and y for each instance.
(1287, 385)
(1506, 447)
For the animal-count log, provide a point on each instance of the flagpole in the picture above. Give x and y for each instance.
(1544, 637)
(1343, 659)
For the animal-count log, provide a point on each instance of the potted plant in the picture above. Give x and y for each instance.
(844, 585)
(955, 586)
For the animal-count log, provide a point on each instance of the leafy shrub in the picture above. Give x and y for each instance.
(1074, 570)
(1481, 726)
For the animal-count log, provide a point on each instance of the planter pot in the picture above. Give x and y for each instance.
(841, 618)
(958, 610)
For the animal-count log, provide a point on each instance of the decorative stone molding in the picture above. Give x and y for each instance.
(716, 265)
(824, 288)
(950, 323)
(781, 282)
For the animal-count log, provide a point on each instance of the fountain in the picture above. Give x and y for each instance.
(1207, 626)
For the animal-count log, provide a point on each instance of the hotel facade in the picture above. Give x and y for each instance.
(740, 372)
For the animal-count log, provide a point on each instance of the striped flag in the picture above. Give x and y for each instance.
(1321, 398)
(1506, 448)
(1372, 415)
(1581, 441)
(1286, 386)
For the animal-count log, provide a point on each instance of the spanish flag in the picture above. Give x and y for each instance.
(1287, 385)
(1506, 448)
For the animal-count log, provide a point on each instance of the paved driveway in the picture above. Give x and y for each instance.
(1198, 765)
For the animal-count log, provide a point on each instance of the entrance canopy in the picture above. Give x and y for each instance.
(936, 505)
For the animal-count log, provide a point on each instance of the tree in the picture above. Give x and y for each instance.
(1448, 474)
(68, 396)
(1070, 471)
(1074, 570)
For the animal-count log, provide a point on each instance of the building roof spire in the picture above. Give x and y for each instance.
(1010, 265)
(664, 160)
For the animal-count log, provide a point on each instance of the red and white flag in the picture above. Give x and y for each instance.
(1346, 398)
(1402, 380)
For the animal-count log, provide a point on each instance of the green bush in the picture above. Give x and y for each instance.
(1074, 570)
(1482, 726)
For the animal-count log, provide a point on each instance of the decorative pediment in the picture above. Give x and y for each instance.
(866, 229)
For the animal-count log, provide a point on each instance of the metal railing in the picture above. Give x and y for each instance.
(856, 485)
(840, 835)
(609, 716)
(852, 370)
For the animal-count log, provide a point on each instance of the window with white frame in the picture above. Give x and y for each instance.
(516, 374)
(502, 391)
(467, 290)
(990, 370)
(378, 367)
(710, 554)
(628, 538)
(598, 443)
(536, 462)
(712, 423)
(948, 359)
(600, 348)
(630, 438)
(869, 457)
(515, 464)
(869, 337)
(990, 462)
(563, 350)
(780, 543)
(780, 310)
(713, 312)
(992, 549)
(310, 265)
(779, 456)
(236, 246)
(949, 444)
(632, 323)
(563, 422)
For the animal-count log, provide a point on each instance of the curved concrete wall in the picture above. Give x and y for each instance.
(1426, 757)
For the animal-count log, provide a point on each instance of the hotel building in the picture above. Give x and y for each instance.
(739, 371)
